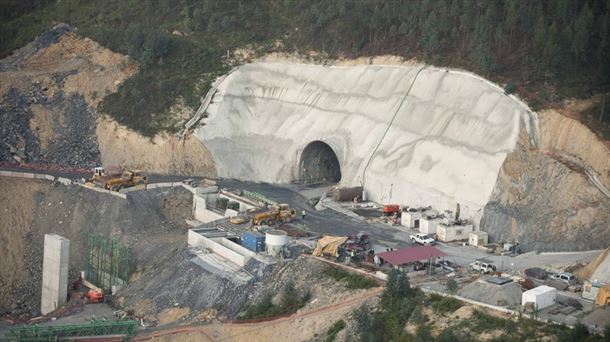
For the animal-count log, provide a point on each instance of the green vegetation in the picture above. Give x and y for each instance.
(290, 302)
(443, 305)
(352, 281)
(561, 48)
(332, 332)
(398, 303)
(401, 304)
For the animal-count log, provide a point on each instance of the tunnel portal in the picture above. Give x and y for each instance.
(319, 164)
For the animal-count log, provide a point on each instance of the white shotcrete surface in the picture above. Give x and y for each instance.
(442, 143)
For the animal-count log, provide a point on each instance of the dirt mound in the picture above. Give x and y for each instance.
(40, 207)
(596, 268)
(49, 95)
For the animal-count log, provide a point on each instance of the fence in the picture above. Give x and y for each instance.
(107, 262)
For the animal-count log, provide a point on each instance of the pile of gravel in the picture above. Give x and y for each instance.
(508, 295)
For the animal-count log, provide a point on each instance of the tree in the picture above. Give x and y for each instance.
(582, 33)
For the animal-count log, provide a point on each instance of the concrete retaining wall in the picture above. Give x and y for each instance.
(221, 246)
(26, 175)
(114, 193)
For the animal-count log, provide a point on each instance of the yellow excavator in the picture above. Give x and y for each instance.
(117, 181)
(280, 213)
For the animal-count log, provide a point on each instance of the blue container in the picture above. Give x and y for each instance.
(253, 241)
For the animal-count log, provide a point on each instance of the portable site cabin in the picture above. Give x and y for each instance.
(410, 219)
(478, 238)
(541, 296)
(454, 232)
(428, 225)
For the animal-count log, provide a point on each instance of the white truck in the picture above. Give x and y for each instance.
(483, 266)
(422, 239)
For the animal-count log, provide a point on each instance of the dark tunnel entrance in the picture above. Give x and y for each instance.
(319, 164)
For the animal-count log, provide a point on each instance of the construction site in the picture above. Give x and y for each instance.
(292, 203)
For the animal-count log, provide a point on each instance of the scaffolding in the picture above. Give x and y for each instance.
(61, 332)
(107, 262)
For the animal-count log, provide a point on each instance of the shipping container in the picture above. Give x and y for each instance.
(347, 194)
(253, 241)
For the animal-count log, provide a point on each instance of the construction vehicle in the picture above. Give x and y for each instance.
(94, 294)
(115, 181)
(280, 213)
(390, 209)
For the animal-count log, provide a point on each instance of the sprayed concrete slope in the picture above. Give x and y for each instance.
(411, 134)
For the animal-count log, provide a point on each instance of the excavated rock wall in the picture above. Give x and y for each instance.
(544, 198)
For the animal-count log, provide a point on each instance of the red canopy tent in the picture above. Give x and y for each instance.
(407, 255)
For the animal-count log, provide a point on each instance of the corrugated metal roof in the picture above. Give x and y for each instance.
(411, 254)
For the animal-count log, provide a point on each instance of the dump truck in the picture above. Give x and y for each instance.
(280, 213)
(116, 181)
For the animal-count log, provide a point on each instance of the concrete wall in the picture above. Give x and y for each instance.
(200, 211)
(413, 136)
(55, 265)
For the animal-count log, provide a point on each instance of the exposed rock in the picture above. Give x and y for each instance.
(545, 205)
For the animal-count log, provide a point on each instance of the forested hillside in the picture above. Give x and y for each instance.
(545, 50)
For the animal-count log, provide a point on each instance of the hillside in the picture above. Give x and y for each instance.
(546, 51)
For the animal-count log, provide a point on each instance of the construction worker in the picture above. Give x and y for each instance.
(353, 258)
(303, 214)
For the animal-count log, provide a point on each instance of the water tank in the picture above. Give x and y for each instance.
(275, 241)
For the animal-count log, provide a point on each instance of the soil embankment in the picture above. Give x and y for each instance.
(152, 222)
(49, 98)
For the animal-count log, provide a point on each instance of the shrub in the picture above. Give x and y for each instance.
(290, 302)
(332, 332)
(485, 322)
(443, 305)
(352, 281)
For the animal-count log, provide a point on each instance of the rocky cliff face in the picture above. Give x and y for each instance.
(544, 197)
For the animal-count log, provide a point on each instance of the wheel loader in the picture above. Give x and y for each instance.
(281, 213)
(116, 181)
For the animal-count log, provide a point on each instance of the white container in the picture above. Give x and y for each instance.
(275, 240)
(541, 296)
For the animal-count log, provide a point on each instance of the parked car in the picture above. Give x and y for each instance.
(483, 266)
(536, 272)
(565, 277)
(422, 239)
